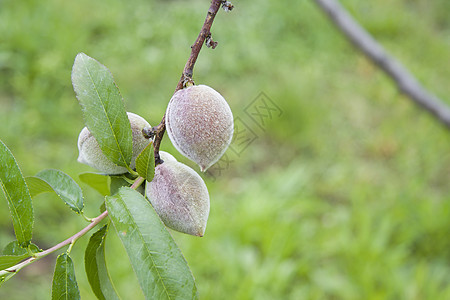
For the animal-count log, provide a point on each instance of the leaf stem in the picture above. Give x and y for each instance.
(30, 253)
(39, 255)
(137, 183)
(86, 217)
(188, 70)
(132, 172)
(70, 246)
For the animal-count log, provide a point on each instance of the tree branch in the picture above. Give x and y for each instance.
(94, 222)
(39, 255)
(186, 76)
(157, 132)
(404, 80)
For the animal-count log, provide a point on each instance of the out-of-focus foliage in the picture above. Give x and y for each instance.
(345, 195)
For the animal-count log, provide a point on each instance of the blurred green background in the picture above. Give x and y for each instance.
(343, 193)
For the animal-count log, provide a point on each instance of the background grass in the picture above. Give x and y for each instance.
(343, 196)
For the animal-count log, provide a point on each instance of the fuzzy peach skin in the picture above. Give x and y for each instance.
(91, 154)
(180, 197)
(199, 123)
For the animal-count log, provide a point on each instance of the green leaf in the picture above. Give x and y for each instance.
(116, 183)
(160, 267)
(99, 182)
(102, 207)
(145, 163)
(37, 186)
(14, 248)
(17, 195)
(103, 109)
(5, 278)
(62, 184)
(7, 261)
(64, 285)
(95, 265)
(13, 253)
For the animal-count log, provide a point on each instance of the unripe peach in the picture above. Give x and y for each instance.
(180, 197)
(165, 156)
(91, 154)
(199, 123)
